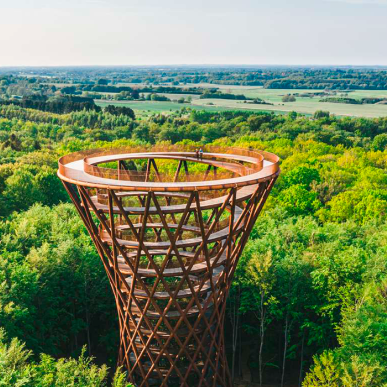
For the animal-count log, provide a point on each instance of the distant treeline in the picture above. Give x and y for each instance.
(141, 89)
(120, 110)
(271, 78)
(58, 105)
(115, 118)
(332, 80)
(353, 101)
(109, 79)
(68, 104)
(219, 95)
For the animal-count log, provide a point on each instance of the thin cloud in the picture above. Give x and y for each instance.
(363, 2)
(97, 2)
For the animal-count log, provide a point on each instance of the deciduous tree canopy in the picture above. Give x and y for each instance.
(309, 296)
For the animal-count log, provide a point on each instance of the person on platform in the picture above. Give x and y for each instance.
(201, 153)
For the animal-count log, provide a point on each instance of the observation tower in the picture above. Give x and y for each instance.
(170, 227)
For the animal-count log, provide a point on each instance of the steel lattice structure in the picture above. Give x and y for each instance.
(170, 227)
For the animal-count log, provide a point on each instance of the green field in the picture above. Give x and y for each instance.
(149, 107)
(306, 105)
(302, 105)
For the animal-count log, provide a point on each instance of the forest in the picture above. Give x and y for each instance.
(308, 306)
(270, 77)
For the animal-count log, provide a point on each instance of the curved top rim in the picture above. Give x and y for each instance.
(81, 168)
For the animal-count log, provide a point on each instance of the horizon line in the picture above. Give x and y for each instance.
(194, 65)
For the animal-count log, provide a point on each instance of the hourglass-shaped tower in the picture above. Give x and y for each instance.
(170, 225)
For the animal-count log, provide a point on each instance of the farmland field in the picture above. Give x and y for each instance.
(306, 105)
(144, 107)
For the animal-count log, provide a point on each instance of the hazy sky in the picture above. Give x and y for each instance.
(135, 32)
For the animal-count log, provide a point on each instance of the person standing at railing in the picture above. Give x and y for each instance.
(197, 153)
(201, 153)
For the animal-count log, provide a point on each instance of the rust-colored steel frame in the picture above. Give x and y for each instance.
(171, 291)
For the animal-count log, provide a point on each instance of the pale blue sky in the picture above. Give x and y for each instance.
(136, 32)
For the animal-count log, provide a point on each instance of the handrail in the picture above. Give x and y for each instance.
(234, 166)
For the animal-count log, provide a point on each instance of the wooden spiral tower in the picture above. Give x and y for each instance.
(170, 227)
